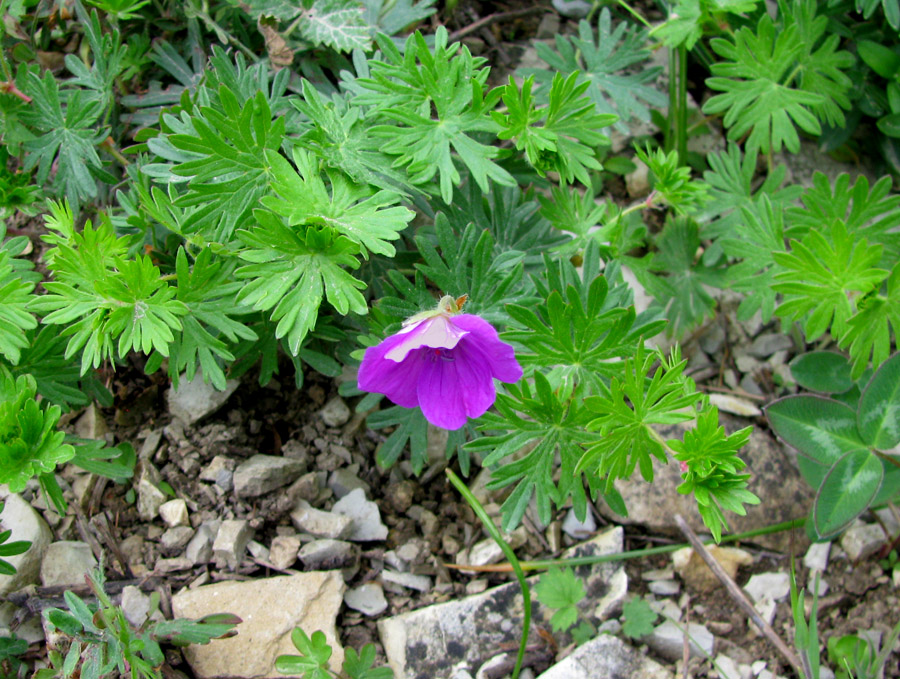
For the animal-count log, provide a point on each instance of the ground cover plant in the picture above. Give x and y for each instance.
(264, 190)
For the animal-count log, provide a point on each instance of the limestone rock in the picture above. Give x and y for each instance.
(283, 551)
(174, 513)
(862, 540)
(368, 599)
(149, 500)
(200, 548)
(668, 640)
(270, 609)
(366, 525)
(92, 424)
(66, 562)
(329, 554)
(175, 538)
(774, 586)
(321, 524)
(195, 399)
(770, 465)
(263, 473)
(335, 413)
(696, 574)
(580, 530)
(231, 542)
(26, 524)
(430, 642)
(606, 657)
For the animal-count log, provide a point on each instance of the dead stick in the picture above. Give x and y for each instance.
(492, 18)
(738, 595)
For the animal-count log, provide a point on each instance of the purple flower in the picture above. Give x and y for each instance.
(443, 362)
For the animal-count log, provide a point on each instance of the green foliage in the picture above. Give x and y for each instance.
(638, 618)
(405, 87)
(9, 549)
(564, 141)
(561, 589)
(689, 20)
(599, 59)
(672, 181)
(315, 652)
(11, 648)
(105, 644)
(757, 80)
(806, 633)
(31, 445)
(841, 447)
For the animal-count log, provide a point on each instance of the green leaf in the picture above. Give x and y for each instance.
(563, 590)
(869, 330)
(312, 663)
(600, 59)
(819, 428)
(360, 666)
(226, 162)
(638, 618)
(292, 269)
(846, 491)
(348, 209)
(820, 279)
(881, 59)
(757, 97)
(69, 138)
(183, 632)
(823, 371)
(15, 295)
(879, 407)
(338, 24)
(433, 105)
(28, 436)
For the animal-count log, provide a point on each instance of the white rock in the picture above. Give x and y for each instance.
(196, 399)
(283, 551)
(270, 609)
(66, 562)
(176, 538)
(174, 513)
(734, 405)
(264, 473)
(231, 542)
(766, 609)
(367, 598)
(327, 554)
(758, 666)
(321, 524)
(637, 182)
(92, 424)
(775, 586)
(200, 548)
(342, 481)
(658, 574)
(664, 587)
(421, 583)
(335, 413)
(580, 530)
(667, 640)
(149, 500)
(136, 605)
(816, 558)
(888, 520)
(482, 553)
(258, 550)
(574, 9)
(26, 524)
(862, 540)
(366, 519)
(727, 667)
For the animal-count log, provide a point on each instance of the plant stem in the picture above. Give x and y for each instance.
(544, 564)
(510, 554)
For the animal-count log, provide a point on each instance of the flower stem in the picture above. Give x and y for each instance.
(513, 562)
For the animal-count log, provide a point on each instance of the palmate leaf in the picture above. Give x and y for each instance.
(70, 137)
(208, 290)
(28, 436)
(292, 269)
(624, 415)
(15, 320)
(677, 279)
(369, 221)
(755, 95)
(820, 280)
(560, 589)
(868, 334)
(405, 89)
(230, 171)
(568, 129)
(730, 181)
(870, 213)
(340, 137)
(522, 418)
(600, 59)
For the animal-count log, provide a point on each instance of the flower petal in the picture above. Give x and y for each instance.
(473, 373)
(440, 396)
(395, 380)
(437, 332)
(482, 337)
